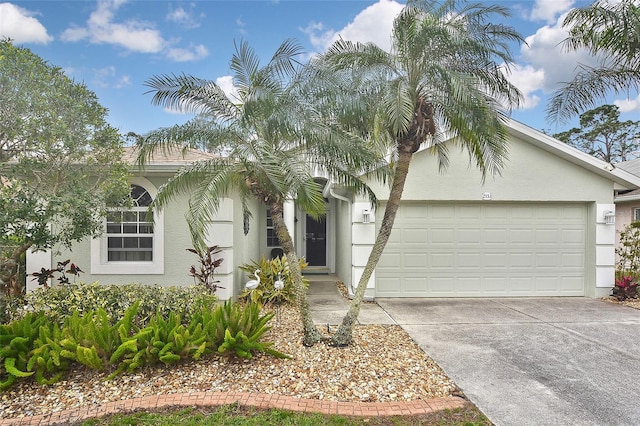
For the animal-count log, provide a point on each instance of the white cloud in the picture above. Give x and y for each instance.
(545, 51)
(373, 24)
(628, 105)
(549, 10)
(528, 79)
(227, 86)
(192, 53)
(187, 18)
(132, 35)
(108, 78)
(19, 25)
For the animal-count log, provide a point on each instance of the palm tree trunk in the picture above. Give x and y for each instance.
(343, 336)
(311, 333)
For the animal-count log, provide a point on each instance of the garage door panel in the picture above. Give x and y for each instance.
(496, 260)
(572, 285)
(444, 236)
(469, 236)
(573, 236)
(480, 249)
(547, 260)
(521, 236)
(573, 260)
(521, 260)
(548, 236)
(390, 260)
(413, 235)
(415, 260)
(442, 260)
(495, 236)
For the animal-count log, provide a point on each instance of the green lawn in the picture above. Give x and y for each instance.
(233, 415)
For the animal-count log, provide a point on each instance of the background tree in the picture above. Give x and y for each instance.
(442, 80)
(275, 139)
(59, 160)
(603, 135)
(611, 31)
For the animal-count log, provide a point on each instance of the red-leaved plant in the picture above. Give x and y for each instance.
(626, 288)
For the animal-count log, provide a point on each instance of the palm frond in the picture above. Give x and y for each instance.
(587, 87)
(192, 95)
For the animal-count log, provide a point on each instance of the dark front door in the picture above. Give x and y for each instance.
(316, 241)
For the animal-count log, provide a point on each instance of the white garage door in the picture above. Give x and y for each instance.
(484, 250)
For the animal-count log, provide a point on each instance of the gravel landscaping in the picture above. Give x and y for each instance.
(383, 364)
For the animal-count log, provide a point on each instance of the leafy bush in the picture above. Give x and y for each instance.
(626, 288)
(36, 344)
(628, 251)
(270, 270)
(60, 302)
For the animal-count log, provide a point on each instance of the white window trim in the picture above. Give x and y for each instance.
(101, 266)
(635, 214)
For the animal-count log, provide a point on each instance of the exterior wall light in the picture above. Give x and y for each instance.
(366, 216)
(609, 217)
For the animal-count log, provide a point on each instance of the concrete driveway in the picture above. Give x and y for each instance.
(542, 361)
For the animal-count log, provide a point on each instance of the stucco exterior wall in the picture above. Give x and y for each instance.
(343, 243)
(245, 247)
(529, 174)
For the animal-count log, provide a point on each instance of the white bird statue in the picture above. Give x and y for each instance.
(252, 284)
(279, 284)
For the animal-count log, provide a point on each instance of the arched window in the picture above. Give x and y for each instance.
(130, 232)
(133, 241)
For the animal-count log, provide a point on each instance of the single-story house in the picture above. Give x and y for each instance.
(542, 228)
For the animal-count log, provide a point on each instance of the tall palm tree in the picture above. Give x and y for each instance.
(442, 80)
(610, 31)
(274, 138)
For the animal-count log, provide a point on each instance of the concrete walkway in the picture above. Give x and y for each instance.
(328, 306)
(546, 361)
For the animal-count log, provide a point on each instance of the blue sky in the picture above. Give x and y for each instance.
(114, 46)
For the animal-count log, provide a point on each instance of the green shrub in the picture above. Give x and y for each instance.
(628, 251)
(63, 301)
(269, 269)
(39, 344)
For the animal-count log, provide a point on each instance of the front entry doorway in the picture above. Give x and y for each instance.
(316, 241)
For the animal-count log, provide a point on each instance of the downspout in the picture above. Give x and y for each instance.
(328, 190)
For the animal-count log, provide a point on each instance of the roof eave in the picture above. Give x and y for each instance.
(573, 155)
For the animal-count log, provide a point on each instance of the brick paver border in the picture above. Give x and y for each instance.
(249, 399)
